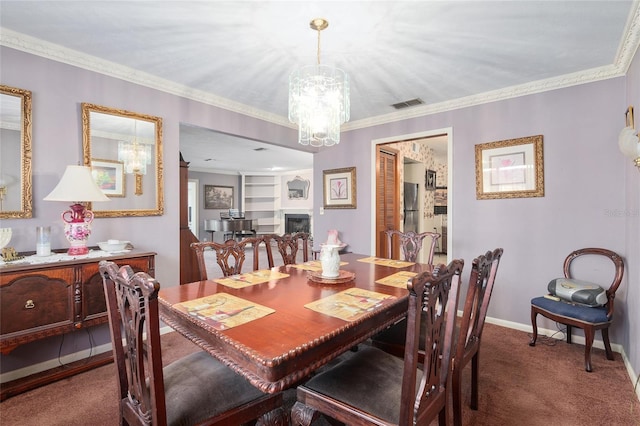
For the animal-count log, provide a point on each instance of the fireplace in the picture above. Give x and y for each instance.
(296, 223)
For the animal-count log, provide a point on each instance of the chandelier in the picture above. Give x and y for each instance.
(319, 99)
(134, 154)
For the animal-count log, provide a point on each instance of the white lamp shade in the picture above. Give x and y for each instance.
(629, 143)
(77, 185)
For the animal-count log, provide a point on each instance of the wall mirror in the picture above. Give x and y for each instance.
(16, 198)
(298, 188)
(124, 151)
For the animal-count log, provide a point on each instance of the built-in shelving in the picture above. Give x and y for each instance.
(261, 201)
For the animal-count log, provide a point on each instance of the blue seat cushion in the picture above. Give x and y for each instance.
(595, 315)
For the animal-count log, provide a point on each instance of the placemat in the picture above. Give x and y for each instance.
(313, 265)
(351, 304)
(251, 278)
(386, 262)
(223, 311)
(399, 279)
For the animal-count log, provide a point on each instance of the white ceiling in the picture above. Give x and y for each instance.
(239, 54)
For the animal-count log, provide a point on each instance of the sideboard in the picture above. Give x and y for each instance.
(43, 299)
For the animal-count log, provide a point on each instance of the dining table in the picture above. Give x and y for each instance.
(277, 326)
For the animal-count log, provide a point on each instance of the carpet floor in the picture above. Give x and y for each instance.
(519, 385)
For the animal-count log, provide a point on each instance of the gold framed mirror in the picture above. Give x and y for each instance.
(16, 197)
(124, 151)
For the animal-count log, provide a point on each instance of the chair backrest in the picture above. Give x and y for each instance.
(288, 245)
(132, 307)
(230, 255)
(483, 274)
(435, 295)
(411, 244)
(618, 263)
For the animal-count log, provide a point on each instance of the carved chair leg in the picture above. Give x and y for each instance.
(534, 325)
(475, 364)
(607, 345)
(588, 342)
(456, 389)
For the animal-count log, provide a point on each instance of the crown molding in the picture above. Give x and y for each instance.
(78, 59)
(626, 51)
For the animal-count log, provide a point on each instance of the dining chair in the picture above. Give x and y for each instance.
(288, 245)
(230, 255)
(411, 243)
(375, 387)
(195, 389)
(588, 318)
(469, 335)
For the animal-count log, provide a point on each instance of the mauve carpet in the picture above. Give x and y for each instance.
(519, 385)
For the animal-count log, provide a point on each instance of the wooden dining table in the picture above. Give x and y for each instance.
(301, 321)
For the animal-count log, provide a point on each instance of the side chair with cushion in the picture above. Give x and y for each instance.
(230, 255)
(288, 245)
(196, 389)
(411, 243)
(375, 387)
(588, 318)
(483, 274)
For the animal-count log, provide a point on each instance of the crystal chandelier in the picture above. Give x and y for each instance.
(135, 155)
(319, 99)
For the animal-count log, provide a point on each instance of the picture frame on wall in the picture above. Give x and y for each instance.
(218, 197)
(430, 180)
(109, 176)
(339, 188)
(510, 168)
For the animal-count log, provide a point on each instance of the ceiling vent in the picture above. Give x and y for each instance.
(407, 104)
(260, 149)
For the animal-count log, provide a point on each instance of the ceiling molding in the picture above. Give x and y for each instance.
(628, 47)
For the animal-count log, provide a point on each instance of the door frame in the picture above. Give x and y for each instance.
(448, 131)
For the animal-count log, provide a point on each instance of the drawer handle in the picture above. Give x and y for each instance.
(29, 304)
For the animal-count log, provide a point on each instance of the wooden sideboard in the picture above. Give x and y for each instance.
(48, 299)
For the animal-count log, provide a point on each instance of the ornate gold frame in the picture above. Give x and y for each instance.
(26, 186)
(510, 168)
(158, 208)
(347, 175)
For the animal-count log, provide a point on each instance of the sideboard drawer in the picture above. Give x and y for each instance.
(36, 301)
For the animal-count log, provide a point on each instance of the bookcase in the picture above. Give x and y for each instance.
(261, 201)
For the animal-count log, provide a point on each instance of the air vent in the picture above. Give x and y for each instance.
(407, 104)
(260, 149)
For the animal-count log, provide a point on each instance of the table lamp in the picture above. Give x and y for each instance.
(77, 186)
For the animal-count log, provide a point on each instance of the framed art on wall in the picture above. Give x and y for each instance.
(510, 169)
(109, 175)
(339, 188)
(430, 180)
(218, 197)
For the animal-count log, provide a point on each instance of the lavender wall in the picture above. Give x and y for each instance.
(585, 177)
(630, 214)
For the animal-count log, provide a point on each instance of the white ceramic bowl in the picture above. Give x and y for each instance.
(113, 245)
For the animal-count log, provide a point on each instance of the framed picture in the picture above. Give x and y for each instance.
(510, 169)
(218, 197)
(109, 175)
(339, 188)
(430, 180)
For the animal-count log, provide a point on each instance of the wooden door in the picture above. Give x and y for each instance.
(387, 197)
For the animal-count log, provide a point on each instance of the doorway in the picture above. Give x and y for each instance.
(419, 156)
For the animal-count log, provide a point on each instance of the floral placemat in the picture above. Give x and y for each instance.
(399, 279)
(250, 278)
(386, 262)
(351, 304)
(313, 265)
(224, 311)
